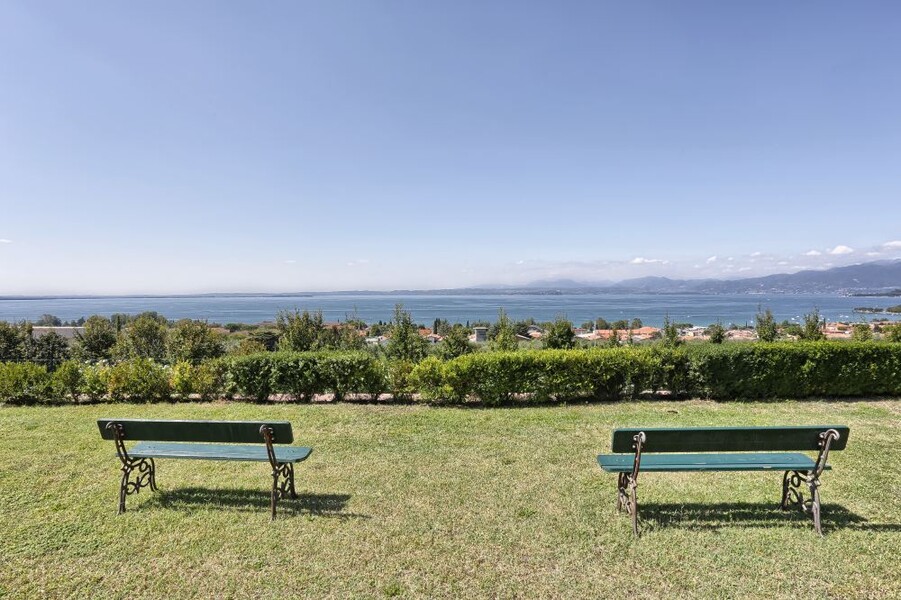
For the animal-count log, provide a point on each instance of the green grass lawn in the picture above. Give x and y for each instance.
(413, 501)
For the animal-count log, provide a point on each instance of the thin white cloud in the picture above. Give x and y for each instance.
(712, 259)
(782, 263)
(873, 253)
(812, 253)
(895, 245)
(640, 260)
(290, 262)
(840, 249)
(756, 253)
(5, 241)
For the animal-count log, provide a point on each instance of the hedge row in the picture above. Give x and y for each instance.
(725, 372)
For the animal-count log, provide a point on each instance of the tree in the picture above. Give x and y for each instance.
(264, 338)
(765, 325)
(377, 329)
(344, 336)
(194, 342)
(504, 338)
(455, 343)
(716, 333)
(405, 343)
(892, 333)
(613, 340)
(812, 327)
(49, 321)
(636, 324)
(560, 334)
(96, 340)
(299, 331)
(861, 332)
(144, 337)
(671, 333)
(50, 350)
(12, 344)
(601, 323)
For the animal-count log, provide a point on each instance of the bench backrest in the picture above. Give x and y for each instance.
(198, 431)
(728, 439)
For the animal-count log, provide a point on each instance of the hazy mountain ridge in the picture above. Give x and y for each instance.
(877, 277)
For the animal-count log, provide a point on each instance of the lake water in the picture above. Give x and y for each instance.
(651, 309)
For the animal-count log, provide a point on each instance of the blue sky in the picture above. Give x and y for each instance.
(225, 146)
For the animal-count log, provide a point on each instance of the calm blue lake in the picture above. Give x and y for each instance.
(651, 309)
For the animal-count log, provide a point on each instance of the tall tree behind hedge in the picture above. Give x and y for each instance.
(560, 334)
(861, 332)
(716, 333)
(455, 343)
(194, 341)
(671, 333)
(145, 337)
(405, 343)
(502, 334)
(298, 331)
(892, 333)
(765, 324)
(812, 328)
(12, 347)
(95, 342)
(50, 350)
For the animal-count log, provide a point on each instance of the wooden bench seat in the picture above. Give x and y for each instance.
(258, 441)
(757, 461)
(675, 449)
(217, 452)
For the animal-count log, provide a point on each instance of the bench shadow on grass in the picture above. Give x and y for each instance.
(713, 517)
(306, 504)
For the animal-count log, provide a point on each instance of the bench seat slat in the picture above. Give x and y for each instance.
(218, 451)
(781, 461)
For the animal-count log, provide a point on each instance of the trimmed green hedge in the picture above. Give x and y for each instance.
(301, 375)
(797, 370)
(723, 372)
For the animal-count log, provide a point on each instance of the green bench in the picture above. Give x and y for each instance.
(218, 440)
(725, 449)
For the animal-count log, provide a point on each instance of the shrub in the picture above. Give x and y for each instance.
(400, 379)
(250, 376)
(892, 333)
(94, 382)
(67, 381)
(204, 379)
(347, 372)
(861, 332)
(181, 379)
(138, 380)
(25, 383)
(297, 374)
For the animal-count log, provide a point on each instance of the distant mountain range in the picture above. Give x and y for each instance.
(880, 277)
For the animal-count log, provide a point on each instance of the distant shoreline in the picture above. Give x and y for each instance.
(439, 292)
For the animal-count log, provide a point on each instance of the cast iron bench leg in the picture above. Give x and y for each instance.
(792, 496)
(282, 484)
